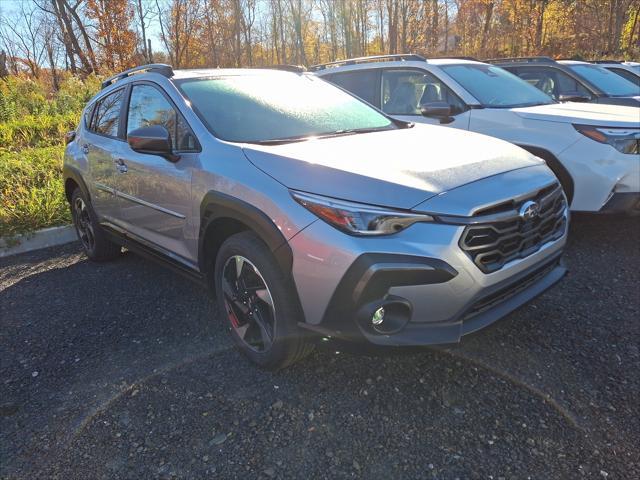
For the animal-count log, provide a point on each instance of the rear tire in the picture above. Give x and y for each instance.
(94, 240)
(259, 303)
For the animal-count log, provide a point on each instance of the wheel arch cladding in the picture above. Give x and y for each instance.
(72, 180)
(556, 167)
(223, 215)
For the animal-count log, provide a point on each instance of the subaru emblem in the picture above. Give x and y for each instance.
(529, 211)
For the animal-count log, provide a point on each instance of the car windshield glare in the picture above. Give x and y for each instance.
(495, 87)
(609, 82)
(256, 108)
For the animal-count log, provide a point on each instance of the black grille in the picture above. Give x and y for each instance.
(507, 236)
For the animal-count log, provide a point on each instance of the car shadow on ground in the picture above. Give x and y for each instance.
(124, 370)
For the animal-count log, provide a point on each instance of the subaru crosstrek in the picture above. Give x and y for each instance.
(593, 149)
(309, 212)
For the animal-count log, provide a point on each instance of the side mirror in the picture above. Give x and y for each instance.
(439, 110)
(154, 140)
(572, 97)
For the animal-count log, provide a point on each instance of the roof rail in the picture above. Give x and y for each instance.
(289, 68)
(161, 68)
(446, 57)
(521, 60)
(405, 57)
(606, 61)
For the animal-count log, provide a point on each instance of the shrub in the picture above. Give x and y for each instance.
(32, 190)
(20, 97)
(36, 131)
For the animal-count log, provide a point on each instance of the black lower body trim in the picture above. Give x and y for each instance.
(369, 279)
(154, 252)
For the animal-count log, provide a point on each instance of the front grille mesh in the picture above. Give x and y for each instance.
(493, 244)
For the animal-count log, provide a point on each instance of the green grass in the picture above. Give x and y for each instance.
(33, 121)
(32, 190)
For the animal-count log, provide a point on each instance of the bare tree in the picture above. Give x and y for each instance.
(145, 14)
(25, 28)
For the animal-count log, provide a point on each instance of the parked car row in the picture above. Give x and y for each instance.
(572, 80)
(315, 214)
(627, 70)
(592, 148)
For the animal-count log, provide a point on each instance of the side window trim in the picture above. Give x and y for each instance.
(196, 149)
(87, 118)
(96, 105)
(425, 72)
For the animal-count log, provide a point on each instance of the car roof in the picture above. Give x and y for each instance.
(226, 72)
(574, 62)
(453, 61)
(395, 63)
(618, 64)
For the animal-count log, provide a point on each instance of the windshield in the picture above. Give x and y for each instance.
(609, 82)
(495, 87)
(257, 108)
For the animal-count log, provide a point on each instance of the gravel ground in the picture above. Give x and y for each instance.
(123, 370)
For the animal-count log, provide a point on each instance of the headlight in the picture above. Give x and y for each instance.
(356, 218)
(625, 140)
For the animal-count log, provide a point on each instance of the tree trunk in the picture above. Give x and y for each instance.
(392, 12)
(4, 72)
(486, 27)
(66, 38)
(87, 41)
(146, 50)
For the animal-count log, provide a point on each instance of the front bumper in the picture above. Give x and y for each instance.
(350, 318)
(600, 174)
(432, 290)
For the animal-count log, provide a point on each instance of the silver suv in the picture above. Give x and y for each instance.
(309, 212)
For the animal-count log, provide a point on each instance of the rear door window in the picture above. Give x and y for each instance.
(362, 83)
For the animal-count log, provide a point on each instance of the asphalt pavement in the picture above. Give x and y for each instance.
(124, 370)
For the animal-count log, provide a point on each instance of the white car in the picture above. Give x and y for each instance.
(627, 70)
(593, 149)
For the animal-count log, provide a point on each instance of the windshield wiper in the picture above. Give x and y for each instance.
(302, 138)
(281, 141)
(352, 131)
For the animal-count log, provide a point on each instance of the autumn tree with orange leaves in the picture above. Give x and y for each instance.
(114, 35)
(103, 36)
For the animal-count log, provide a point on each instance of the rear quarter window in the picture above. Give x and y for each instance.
(106, 118)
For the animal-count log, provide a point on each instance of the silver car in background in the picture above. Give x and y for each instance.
(310, 213)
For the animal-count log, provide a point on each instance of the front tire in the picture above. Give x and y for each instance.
(94, 241)
(258, 303)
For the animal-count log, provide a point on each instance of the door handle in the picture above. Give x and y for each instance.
(85, 148)
(121, 166)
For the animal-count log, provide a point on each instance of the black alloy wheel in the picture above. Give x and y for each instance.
(84, 226)
(248, 304)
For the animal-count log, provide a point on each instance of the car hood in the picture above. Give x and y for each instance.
(583, 113)
(394, 168)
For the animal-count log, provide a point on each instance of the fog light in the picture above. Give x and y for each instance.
(378, 316)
